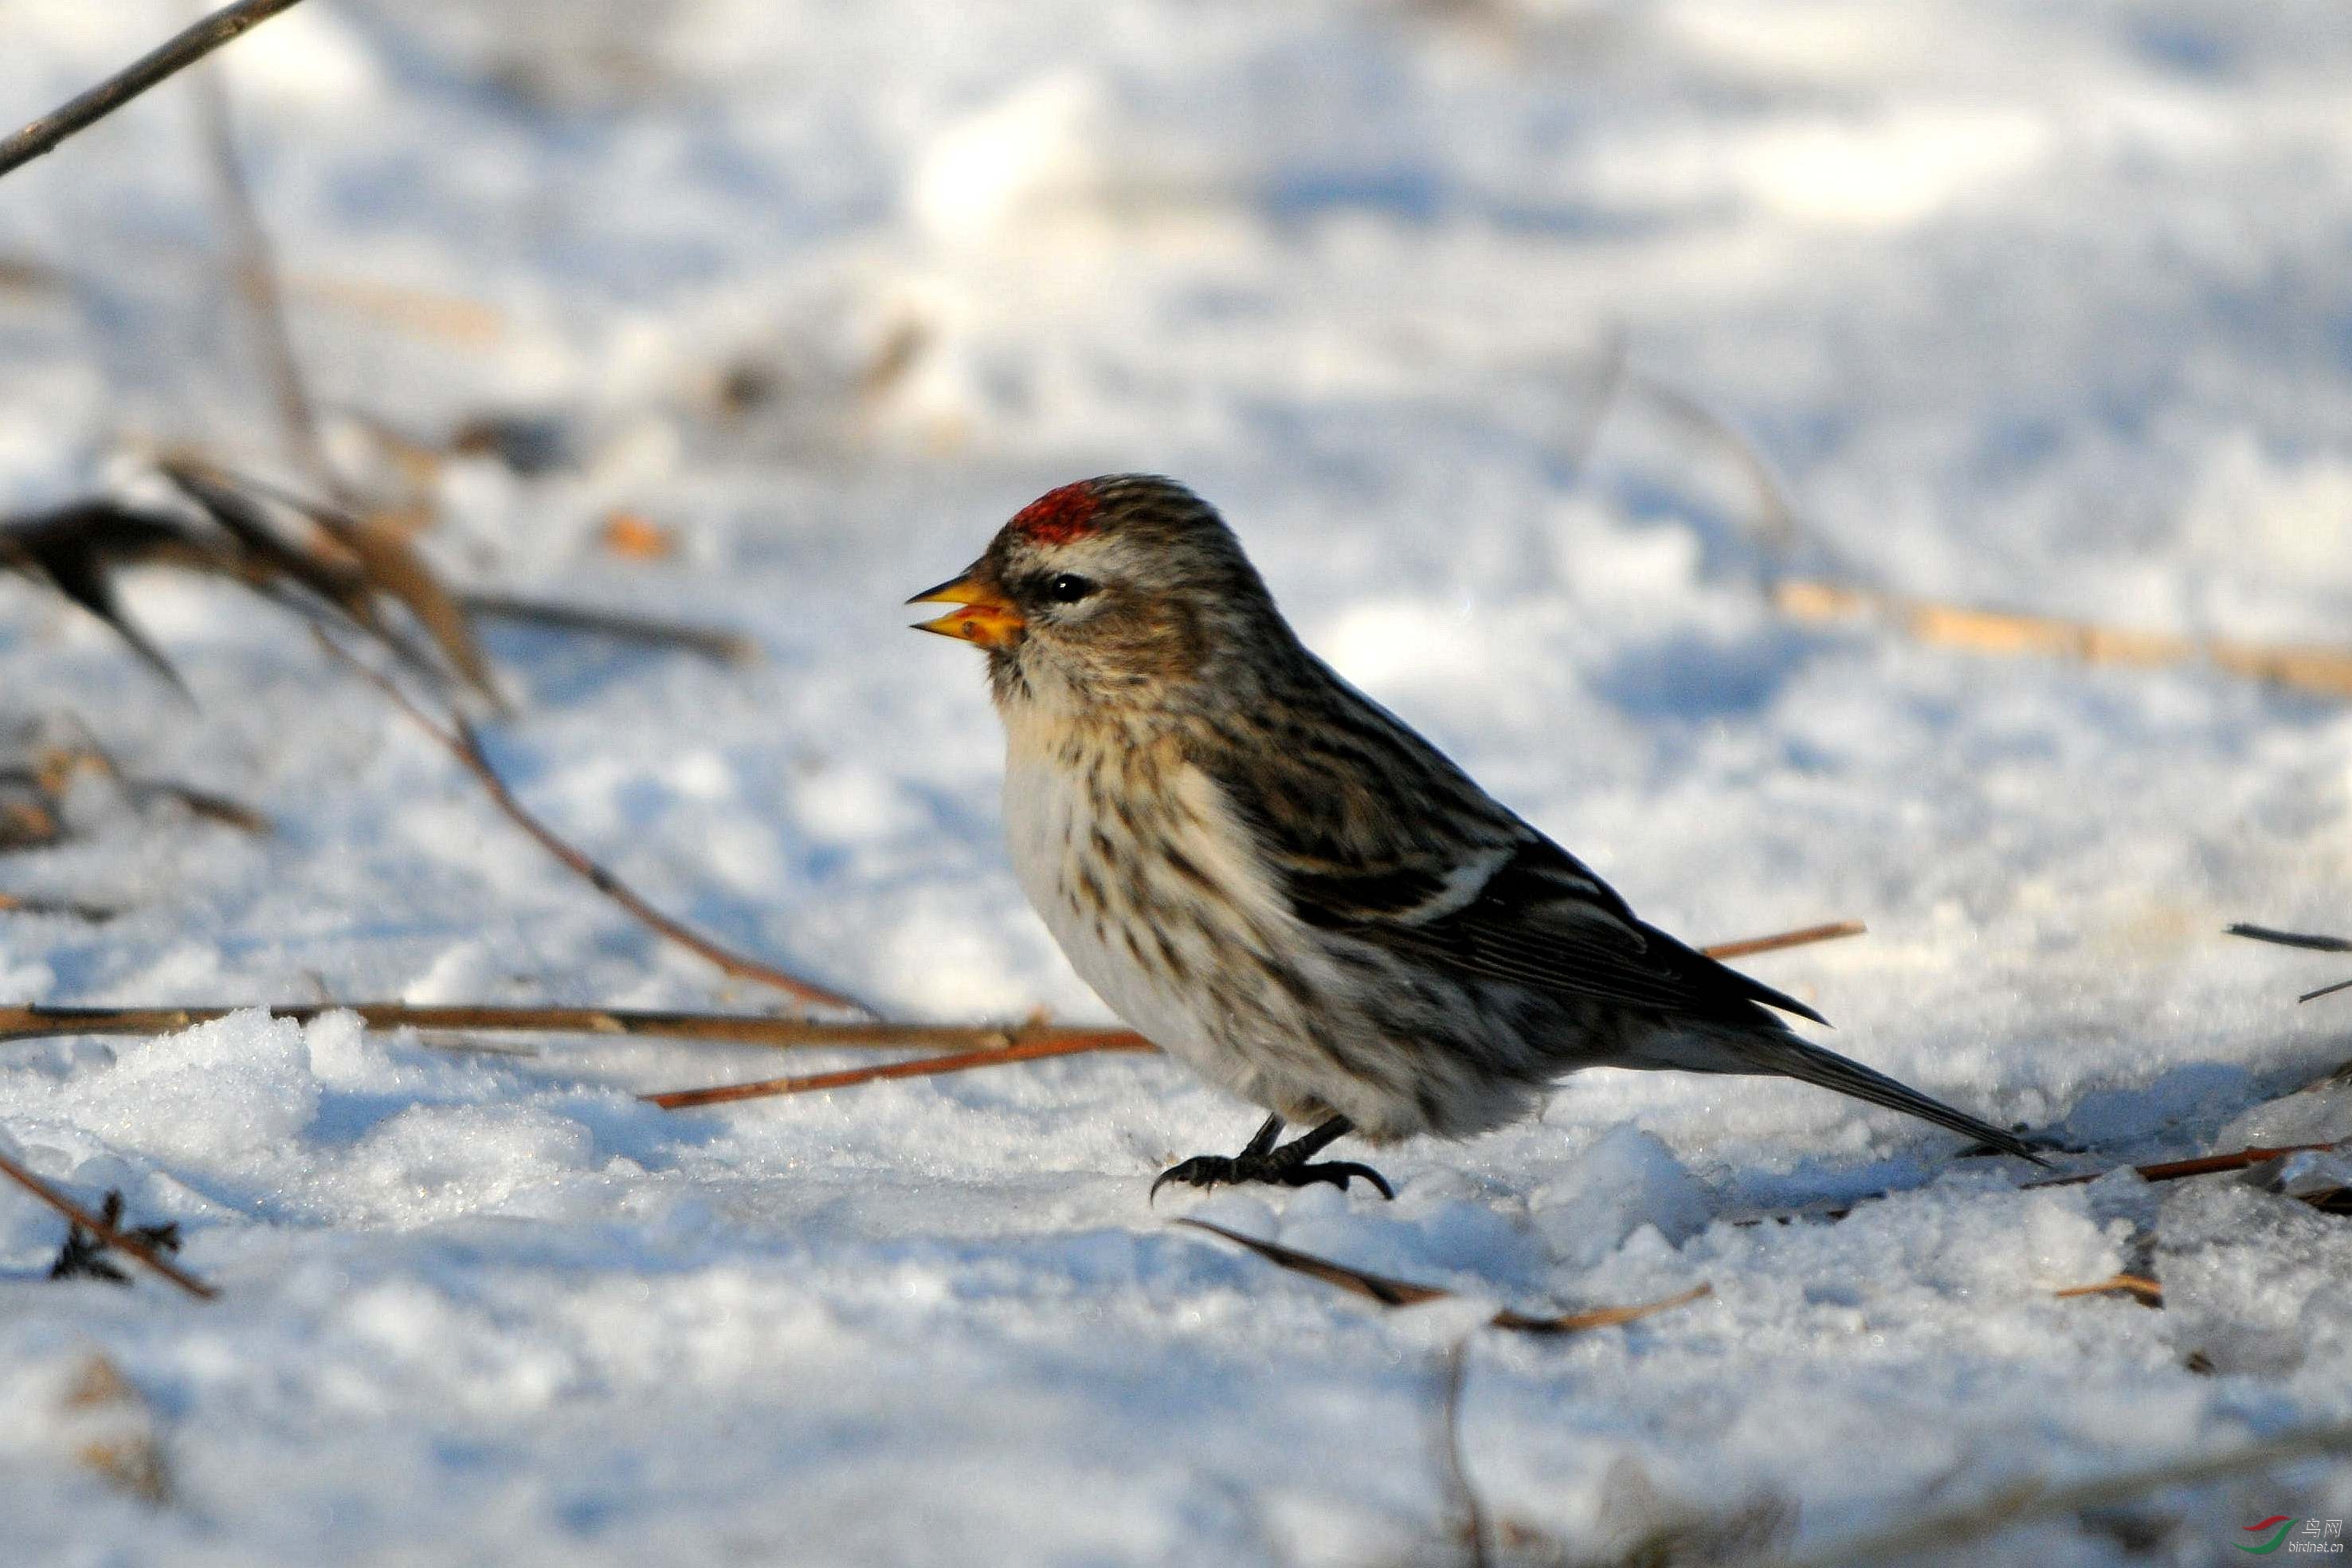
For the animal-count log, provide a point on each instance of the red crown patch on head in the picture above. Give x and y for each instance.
(1059, 516)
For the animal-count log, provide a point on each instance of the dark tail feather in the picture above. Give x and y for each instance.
(1789, 1056)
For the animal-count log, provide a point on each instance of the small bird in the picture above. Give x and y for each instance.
(1280, 884)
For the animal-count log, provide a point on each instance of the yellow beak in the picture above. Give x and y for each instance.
(983, 616)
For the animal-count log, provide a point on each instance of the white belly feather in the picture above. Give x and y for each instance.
(1050, 828)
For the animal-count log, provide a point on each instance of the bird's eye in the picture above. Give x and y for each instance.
(1067, 587)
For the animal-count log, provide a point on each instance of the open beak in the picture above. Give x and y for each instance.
(982, 614)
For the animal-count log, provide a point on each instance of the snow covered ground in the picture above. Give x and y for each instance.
(2046, 306)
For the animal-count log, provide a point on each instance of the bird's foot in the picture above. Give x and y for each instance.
(1227, 1170)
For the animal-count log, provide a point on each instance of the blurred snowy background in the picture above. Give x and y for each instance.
(1454, 310)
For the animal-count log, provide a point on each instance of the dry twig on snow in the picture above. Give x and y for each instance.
(2302, 940)
(460, 742)
(2322, 671)
(2290, 938)
(2204, 1166)
(130, 1243)
(1776, 519)
(35, 1022)
(322, 561)
(971, 1045)
(177, 53)
(1391, 1292)
(2139, 1286)
(1021, 1047)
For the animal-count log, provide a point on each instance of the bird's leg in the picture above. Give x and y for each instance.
(1261, 1141)
(1286, 1166)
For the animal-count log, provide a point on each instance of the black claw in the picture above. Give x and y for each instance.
(1221, 1170)
(1337, 1173)
(1200, 1170)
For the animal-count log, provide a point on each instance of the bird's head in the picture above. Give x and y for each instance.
(1124, 588)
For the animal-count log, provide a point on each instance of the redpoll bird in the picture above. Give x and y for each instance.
(1278, 883)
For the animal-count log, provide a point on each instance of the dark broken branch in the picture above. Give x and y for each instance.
(76, 550)
(176, 54)
(2290, 938)
(2302, 940)
(320, 560)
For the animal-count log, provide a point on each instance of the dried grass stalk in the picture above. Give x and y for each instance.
(967, 1046)
(2204, 1166)
(30, 1022)
(1391, 1292)
(254, 265)
(1804, 936)
(460, 742)
(2137, 1286)
(1020, 1050)
(2323, 671)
